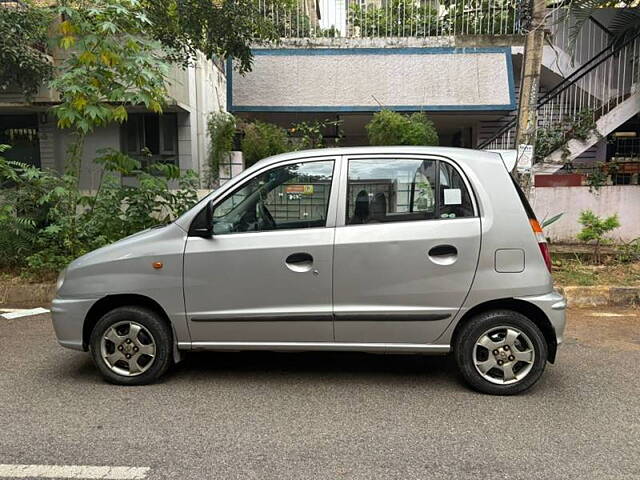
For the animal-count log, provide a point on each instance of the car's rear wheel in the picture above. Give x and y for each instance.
(500, 352)
(131, 346)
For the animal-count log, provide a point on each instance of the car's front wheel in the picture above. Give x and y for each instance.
(500, 352)
(131, 346)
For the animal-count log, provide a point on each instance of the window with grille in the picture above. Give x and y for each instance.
(151, 137)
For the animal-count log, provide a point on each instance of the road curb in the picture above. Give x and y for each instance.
(611, 296)
(29, 293)
(577, 296)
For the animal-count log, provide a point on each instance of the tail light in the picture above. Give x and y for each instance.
(535, 226)
(542, 242)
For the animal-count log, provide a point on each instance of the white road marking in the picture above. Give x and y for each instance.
(607, 314)
(24, 313)
(73, 471)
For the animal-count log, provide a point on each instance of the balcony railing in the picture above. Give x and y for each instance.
(394, 18)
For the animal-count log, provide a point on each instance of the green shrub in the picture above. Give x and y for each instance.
(308, 135)
(549, 139)
(45, 222)
(629, 252)
(262, 140)
(594, 230)
(392, 128)
(222, 128)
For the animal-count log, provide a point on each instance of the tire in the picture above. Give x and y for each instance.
(506, 364)
(138, 333)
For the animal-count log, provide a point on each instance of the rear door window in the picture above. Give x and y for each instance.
(454, 198)
(400, 190)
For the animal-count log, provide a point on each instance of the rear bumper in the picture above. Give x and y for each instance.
(554, 305)
(68, 320)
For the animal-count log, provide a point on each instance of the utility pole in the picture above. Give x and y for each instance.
(529, 87)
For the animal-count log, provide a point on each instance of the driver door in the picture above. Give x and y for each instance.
(266, 274)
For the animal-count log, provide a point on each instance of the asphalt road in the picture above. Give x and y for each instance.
(327, 415)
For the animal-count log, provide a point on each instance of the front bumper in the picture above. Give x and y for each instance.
(68, 317)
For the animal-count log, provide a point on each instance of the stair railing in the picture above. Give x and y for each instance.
(597, 86)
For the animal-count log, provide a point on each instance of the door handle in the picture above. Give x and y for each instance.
(299, 262)
(443, 250)
(443, 254)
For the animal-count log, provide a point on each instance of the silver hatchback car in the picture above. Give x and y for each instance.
(391, 249)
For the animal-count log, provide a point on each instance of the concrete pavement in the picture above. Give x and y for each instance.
(326, 415)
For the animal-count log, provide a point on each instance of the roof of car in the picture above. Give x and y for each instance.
(462, 155)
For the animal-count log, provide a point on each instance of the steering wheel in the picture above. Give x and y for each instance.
(266, 216)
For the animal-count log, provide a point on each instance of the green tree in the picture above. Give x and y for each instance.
(594, 229)
(111, 63)
(23, 45)
(392, 128)
(219, 29)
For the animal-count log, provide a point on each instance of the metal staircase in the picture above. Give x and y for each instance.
(607, 86)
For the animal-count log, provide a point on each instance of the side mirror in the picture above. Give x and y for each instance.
(202, 226)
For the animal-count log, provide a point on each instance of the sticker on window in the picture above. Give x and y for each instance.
(301, 189)
(453, 196)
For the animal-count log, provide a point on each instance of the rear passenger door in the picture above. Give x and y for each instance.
(406, 248)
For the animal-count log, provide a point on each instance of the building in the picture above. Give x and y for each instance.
(346, 59)
(464, 72)
(460, 62)
(178, 135)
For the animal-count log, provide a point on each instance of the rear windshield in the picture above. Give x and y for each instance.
(523, 199)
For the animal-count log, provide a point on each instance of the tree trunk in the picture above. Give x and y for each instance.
(73, 169)
(529, 87)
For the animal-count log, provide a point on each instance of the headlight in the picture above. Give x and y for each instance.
(60, 279)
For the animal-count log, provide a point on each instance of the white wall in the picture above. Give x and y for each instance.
(388, 76)
(621, 199)
(207, 87)
(57, 142)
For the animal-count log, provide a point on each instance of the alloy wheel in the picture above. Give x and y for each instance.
(503, 355)
(128, 348)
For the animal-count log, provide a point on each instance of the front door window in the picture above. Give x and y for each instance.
(290, 196)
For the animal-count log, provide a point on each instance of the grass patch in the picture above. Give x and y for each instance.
(577, 272)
